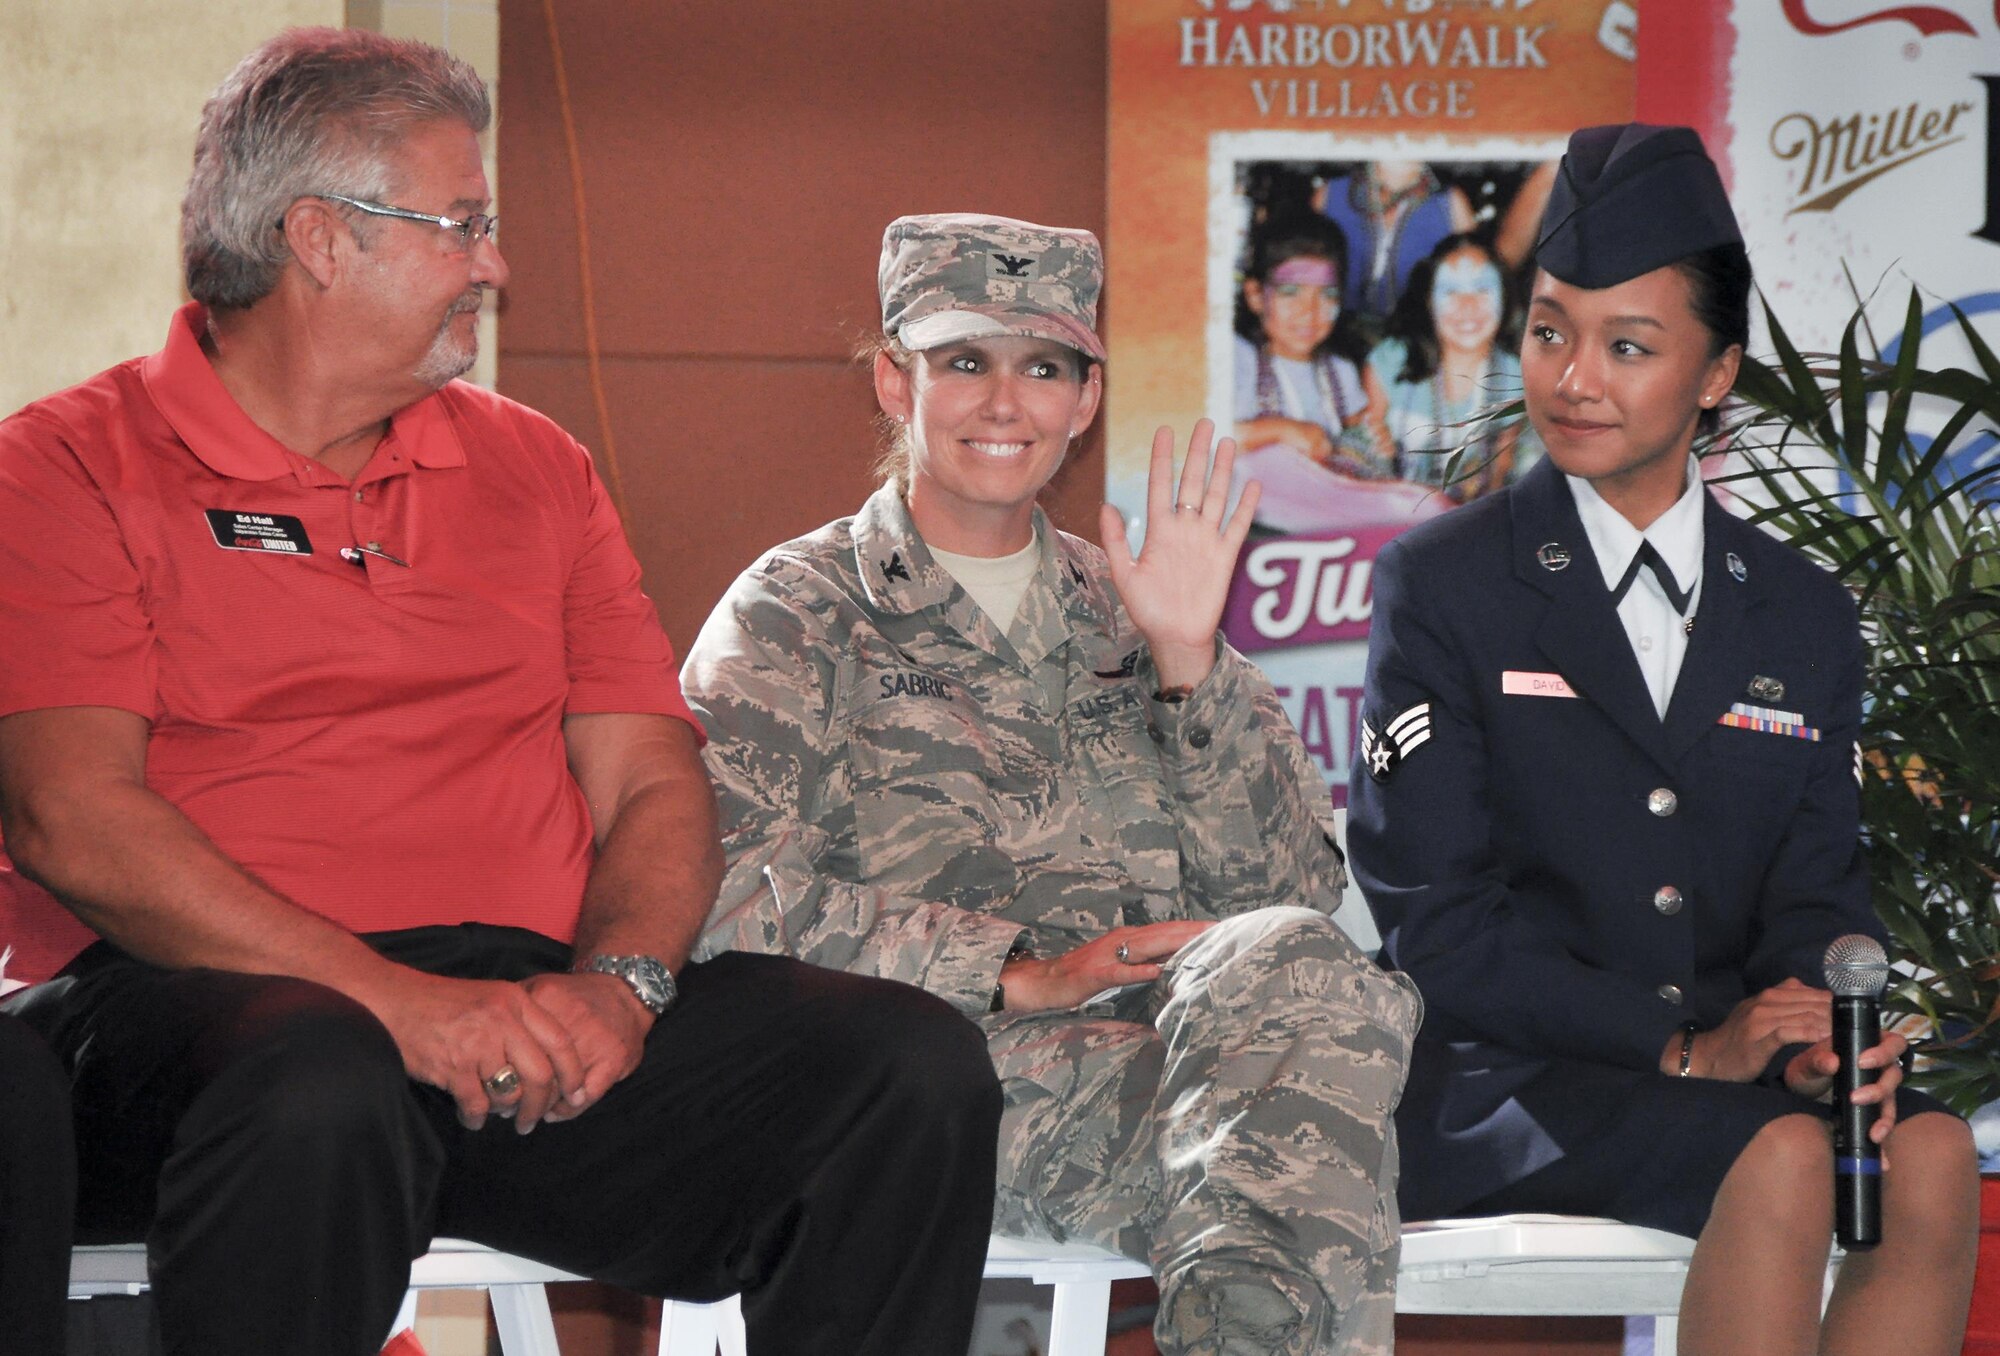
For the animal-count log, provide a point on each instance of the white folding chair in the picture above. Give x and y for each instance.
(1080, 1273)
(1531, 1265)
(513, 1285)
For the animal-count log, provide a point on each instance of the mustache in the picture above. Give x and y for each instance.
(471, 301)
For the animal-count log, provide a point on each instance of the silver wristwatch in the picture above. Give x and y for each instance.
(652, 983)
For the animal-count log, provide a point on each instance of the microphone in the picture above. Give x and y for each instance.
(1856, 972)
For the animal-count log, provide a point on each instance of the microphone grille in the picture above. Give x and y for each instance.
(1856, 966)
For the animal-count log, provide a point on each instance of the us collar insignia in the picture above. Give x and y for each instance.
(1554, 556)
(893, 567)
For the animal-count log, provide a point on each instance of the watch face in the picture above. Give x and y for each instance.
(651, 981)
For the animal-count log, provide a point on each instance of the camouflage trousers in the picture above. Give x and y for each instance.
(1231, 1123)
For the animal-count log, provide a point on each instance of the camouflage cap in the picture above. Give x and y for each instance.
(959, 275)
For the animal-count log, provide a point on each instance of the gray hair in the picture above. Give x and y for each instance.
(314, 110)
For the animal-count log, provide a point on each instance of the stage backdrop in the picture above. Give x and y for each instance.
(1860, 138)
(1288, 183)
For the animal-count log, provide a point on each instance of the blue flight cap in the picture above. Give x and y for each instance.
(1628, 199)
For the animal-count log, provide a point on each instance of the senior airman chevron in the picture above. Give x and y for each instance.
(1401, 736)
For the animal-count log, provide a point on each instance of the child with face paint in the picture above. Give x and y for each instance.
(1448, 358)
(1299, 382)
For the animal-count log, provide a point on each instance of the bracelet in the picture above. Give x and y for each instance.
(1174, 696)
(1687, 1050)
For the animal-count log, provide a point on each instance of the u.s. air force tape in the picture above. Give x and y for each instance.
(1399, 737)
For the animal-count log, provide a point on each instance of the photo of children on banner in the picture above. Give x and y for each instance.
(1298, 367)
(1367, 374)
(1302, 394)
(1447, 369)
(1392, 213)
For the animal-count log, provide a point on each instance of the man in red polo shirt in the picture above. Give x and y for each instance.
(332, 713)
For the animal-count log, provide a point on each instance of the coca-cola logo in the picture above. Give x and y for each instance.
(1928, 20)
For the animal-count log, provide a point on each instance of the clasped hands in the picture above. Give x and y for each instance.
(568, 1037)
(1793, 1013)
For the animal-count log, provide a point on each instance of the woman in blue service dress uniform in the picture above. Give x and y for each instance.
(1608, 817)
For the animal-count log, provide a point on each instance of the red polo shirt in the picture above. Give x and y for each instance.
(377, 736)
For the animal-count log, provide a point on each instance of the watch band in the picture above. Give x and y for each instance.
(1024, 946)
(650, 980)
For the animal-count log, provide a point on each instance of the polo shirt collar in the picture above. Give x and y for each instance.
(1676, 534)
(184, 387)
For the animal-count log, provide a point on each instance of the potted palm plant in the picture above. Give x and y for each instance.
(1912, 524)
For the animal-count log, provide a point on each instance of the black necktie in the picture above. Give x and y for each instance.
(1650, 558)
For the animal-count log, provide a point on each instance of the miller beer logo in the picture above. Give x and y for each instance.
(1838, 155)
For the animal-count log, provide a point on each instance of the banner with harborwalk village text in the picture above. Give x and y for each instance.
(1319, 210)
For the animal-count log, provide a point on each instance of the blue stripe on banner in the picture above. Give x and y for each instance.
(1857, 1167)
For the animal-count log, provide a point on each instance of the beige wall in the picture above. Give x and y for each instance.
(97, 113)
(98, 103)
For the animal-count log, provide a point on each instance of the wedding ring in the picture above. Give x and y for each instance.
(1124, 954)
(1187, 508)
(504, 1083)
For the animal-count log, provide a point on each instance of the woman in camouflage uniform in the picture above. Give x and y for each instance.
(957, 747)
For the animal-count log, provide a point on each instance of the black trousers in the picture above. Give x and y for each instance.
(821, 1142)
(37, 1193)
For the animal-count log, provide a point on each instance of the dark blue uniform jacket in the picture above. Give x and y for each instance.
(1569, 879)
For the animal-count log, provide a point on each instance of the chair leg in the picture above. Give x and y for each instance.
(729, 1326)
(521, 1314)
(1082, 1310)
(1666, 1335)
(406, 1317)
(688, 1329)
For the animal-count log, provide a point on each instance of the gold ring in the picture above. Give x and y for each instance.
(504, 1083)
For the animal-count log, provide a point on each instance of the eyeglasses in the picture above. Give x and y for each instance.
(471, 230)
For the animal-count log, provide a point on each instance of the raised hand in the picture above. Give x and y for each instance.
(1038, 985)
(1175, 589)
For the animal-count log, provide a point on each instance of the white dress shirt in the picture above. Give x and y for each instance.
(1659, 633)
